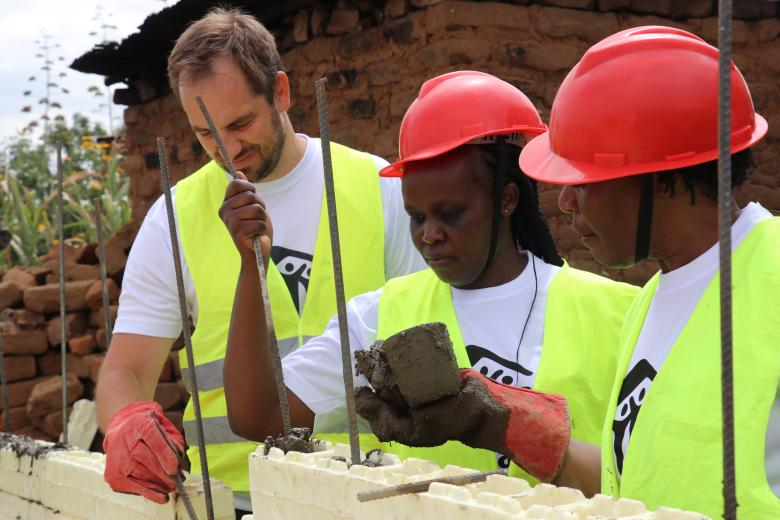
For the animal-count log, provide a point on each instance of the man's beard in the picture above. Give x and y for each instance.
(269, 154)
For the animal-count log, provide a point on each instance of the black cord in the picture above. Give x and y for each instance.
(527, 318)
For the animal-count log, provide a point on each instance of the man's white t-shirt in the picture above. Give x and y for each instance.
(149, 302)
(675, 299)
(491, 322)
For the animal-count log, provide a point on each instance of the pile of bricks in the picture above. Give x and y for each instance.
(31, 330)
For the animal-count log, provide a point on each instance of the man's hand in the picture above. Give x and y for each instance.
(245, 216)
(143, 449)
(532, 428)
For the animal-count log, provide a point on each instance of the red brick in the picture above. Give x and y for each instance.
(83, 345)
(25, 342)
(28, 320)
(46, 396)
(49, 364)
(19, 418)
(343, 21)
(587, 25)
(76, 324)
(100, 339)
(95, 294)
(73, 254)
(459, 14)
(73, 272)
(10, 294)
(20, 277)
(19, 391)
(169, 395)
(552, 56)
(46, 298)
(18, 368)
(51, 423)
(96, 318)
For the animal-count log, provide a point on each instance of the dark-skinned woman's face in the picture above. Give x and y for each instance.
(449, 201)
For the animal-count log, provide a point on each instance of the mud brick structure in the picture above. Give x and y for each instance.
(376, 55)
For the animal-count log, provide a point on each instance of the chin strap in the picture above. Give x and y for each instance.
(497, 192)
(644, 221)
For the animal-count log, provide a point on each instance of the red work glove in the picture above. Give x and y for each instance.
(532, 428)
(142, 449)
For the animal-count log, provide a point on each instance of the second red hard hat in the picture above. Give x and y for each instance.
(456, 108)
(642, 100)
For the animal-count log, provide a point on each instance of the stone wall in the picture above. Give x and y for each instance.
(376, 60)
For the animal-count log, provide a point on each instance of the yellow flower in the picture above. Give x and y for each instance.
(95, 185)
(105, 158)
(41, 227)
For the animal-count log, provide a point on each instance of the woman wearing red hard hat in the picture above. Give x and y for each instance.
(514, 312)
(633, 140)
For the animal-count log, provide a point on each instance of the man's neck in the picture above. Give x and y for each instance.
(292, 153)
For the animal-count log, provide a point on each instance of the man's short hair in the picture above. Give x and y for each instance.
(230, 33)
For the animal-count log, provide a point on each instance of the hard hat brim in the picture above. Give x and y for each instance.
(538, 161)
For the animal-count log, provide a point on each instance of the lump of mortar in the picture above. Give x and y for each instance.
(373, 365)
(299, 439)
(423, 363)
(22, 445)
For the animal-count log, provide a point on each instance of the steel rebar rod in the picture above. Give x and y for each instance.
(103, 276)
(187, 331)
(423, 485)
(273, 346)
(4, 383)
(63, 325)
(338, 273)
(725, 215)
(177, 477)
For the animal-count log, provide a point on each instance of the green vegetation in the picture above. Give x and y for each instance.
(92, 168)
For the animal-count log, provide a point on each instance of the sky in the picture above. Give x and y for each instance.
(68, 23)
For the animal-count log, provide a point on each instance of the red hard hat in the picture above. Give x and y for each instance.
(457, 108)
(640, 101)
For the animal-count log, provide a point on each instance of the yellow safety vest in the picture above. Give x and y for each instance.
(214, 264)
(674, 457)
(583, 318)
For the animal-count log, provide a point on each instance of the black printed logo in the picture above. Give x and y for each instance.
(495, 367)
(632, 395)
(295, 268)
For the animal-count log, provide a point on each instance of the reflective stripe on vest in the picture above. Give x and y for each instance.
(214, 263)
(674, 457)
(583, 317)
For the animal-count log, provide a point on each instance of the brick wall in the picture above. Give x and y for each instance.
(376, 59)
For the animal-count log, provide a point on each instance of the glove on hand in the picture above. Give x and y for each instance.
(142, 449)
(532, 428)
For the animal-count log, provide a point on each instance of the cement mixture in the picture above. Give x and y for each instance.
(413, 367)
(299, 439)
(22, 445)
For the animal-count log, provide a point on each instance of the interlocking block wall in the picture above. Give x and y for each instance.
(40, 482)
(322, 485)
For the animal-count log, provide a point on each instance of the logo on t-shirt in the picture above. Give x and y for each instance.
(632, 394)
(295, 268)
(491, 365)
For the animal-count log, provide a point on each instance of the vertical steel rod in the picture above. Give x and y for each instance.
(338, 273)
(725, 215)
(185, 323)
(63, 331)
(4, 383)
(103, 275)
(273, 346)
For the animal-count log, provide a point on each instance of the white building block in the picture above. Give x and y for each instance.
(82, 424)
(297, 485)
(69, 485)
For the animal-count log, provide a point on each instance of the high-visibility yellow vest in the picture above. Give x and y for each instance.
(674, 457)
(583, 318)
(214, 264)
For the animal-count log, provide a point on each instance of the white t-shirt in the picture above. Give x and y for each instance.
(491, 322)
(149, 304)
(675, 299)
